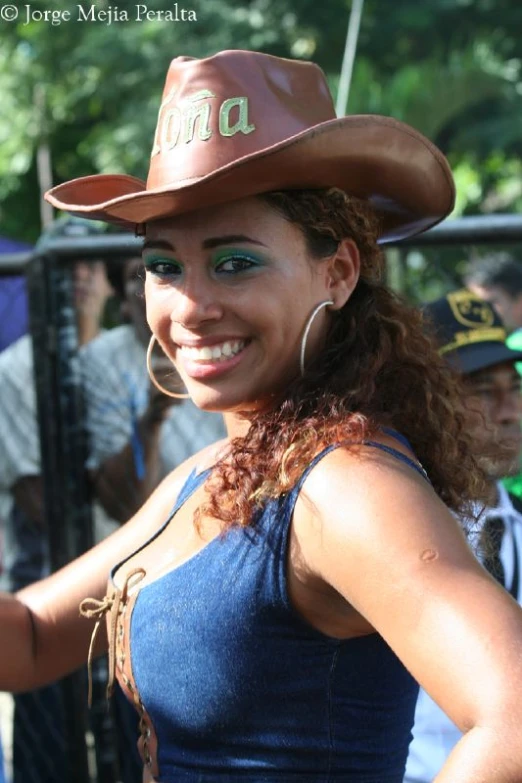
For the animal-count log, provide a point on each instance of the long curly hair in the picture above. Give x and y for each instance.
(379, 367)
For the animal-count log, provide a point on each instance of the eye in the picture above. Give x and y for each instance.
(485, 392)
(162, 267)
(235, 263)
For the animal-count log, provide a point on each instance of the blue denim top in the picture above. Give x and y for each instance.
(240, 688)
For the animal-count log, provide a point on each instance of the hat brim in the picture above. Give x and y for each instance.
(371, 157)
(480, 356)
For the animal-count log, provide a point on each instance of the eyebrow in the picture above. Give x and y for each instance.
(482, 379)
(208, 244)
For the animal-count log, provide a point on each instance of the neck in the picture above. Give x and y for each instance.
(237, 425)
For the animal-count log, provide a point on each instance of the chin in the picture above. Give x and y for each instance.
(216, 401)
(208, 402)
(500, 469)
(208, 399)
(510, 469)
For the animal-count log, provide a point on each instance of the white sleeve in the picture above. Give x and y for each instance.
(19, 434)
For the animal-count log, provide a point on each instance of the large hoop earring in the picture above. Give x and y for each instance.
(153, 378)
(307, 330)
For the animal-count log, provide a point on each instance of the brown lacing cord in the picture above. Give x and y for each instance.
(93, 608)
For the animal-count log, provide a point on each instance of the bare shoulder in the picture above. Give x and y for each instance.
(359, 484)
(363, 510)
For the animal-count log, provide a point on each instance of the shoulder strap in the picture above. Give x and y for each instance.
(374, 444)
(400, 456)
(398, 436)
(193, 481)
(515, 583)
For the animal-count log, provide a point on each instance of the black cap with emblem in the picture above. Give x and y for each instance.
(469, 332)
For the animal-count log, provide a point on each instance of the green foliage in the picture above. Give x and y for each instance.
(91, 90)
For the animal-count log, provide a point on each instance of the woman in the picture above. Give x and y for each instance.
(273, 628)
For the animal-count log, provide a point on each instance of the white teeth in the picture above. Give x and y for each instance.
(215, 352)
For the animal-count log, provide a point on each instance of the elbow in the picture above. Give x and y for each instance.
(18, 657)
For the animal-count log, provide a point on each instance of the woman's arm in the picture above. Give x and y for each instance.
(396, 554)
(43, 635)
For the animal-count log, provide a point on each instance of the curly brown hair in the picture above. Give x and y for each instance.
(379, 368)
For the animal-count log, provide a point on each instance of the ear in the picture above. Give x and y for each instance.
(343, 272)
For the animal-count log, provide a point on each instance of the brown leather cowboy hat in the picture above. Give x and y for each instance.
(242, 123)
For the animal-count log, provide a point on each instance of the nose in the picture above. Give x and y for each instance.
(196, 303)
(82, 271)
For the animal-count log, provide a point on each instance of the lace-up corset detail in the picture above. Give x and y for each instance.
(116, 607)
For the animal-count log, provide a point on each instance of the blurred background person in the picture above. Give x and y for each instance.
(38, 741)
(472, 339)
(20, 479)
(497, 278)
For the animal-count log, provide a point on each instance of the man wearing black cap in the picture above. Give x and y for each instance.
(472, 339)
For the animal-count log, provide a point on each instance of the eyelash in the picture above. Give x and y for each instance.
(246, 261)
(165, 268)
(169, 268)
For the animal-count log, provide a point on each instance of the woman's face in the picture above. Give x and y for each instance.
(229, 290)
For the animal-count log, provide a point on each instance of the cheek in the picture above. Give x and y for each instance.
(284, 326)
(477, 419)
(158, 307)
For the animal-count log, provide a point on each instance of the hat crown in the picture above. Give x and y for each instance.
(217, 110)
(238, 124)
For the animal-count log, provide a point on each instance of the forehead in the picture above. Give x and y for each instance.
(251, 217)
(493, 293)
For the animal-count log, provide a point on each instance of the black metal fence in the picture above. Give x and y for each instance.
(58, 385)
(91, 753)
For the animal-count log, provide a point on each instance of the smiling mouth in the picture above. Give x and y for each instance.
(213, 353)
